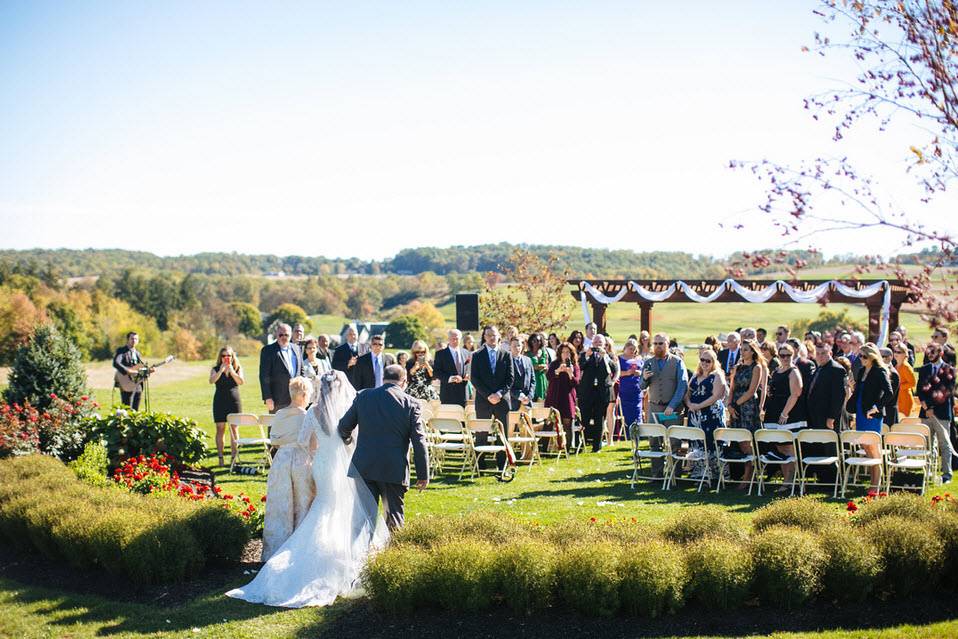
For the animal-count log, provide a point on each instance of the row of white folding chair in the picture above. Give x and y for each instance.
(237, 421)
(451, 440)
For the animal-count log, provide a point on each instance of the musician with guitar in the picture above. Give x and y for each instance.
(132, 371)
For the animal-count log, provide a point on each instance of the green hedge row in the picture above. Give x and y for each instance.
(45, 508)
(795, 551)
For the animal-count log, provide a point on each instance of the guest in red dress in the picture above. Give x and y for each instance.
(563, 377)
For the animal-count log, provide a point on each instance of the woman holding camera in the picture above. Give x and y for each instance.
(419, 373)
(227, 374)
(563, 376)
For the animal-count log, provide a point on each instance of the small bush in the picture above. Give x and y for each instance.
(788, 565)
(912, 556)
(397, 578)
(588, 579)
(851, 567)
(720, 572)
(905, 505)
(463, 575)
(215, 530)
(527, 575)
(132, 433)
(806, 513)
(92, 465)
(946, 529)
(701, 522)
(653, 578)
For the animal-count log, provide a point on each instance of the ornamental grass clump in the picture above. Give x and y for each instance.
(527, 575)
(806, 513)
(653, 578)
(701, 522)
(851, 566)
(720, 572)
(788, 565)
(397, 579)
(945, 526)
(157, 538)
(588, 578)
(908, 506)
(912, 555)
(463, 574)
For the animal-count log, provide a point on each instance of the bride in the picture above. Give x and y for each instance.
(323, 557)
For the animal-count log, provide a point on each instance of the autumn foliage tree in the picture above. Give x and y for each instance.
(529, 293)
(907, 53)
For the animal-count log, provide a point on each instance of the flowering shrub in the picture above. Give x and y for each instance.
(154, 475)
(145, 475)
(58, 430)
(132, 433)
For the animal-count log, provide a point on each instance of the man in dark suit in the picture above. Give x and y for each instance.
(729, 355)
(595, 390)
(492, 377)
(826, 390)
(524, 381)
(346, 355)
(368, 372)
(391, 421)
(450, 368)
(940, 336)
(826, 402)
(279, 362)
(936, 392)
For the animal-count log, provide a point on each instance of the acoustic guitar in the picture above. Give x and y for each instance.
(129, 383)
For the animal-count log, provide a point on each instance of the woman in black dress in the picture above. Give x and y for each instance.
(227, 374)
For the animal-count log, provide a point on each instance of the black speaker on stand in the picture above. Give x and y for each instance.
(467, 311)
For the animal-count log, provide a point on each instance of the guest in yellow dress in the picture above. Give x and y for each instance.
(289, 487)
(906, 390)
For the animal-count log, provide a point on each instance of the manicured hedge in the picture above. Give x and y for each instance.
(44, 508)
(800, 550)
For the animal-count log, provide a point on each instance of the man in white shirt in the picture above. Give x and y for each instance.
(729, 355)
(370, 367)
(590, 331)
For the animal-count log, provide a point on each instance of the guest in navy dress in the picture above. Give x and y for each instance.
(705, 397)
(630, 377)
(871, 392)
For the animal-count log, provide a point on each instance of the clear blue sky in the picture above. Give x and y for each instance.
(359, 129)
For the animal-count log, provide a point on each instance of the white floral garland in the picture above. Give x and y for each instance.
(756, 297)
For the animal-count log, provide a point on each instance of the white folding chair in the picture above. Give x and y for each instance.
(777, 437)
(695, 452)
(557, 441)
(638, 432)
(731, 438)
(931, 455)
(908, 452)
(238, 421)
(910, 420)
(450, 411)
(448, 444)
(522, 437)
(853, 459)
(497, 442)
(818, 436)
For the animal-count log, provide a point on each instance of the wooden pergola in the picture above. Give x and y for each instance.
(900, 294)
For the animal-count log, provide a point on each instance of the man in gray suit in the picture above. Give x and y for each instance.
(391, 420)
(663, 375)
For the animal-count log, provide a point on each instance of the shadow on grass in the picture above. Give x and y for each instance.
(359, 620)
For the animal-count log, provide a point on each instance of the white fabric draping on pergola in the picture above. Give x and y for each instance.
(754, 296)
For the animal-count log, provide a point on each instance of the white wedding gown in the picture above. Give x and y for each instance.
(325, 555)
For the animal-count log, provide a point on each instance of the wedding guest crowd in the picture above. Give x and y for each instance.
(830, 379)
